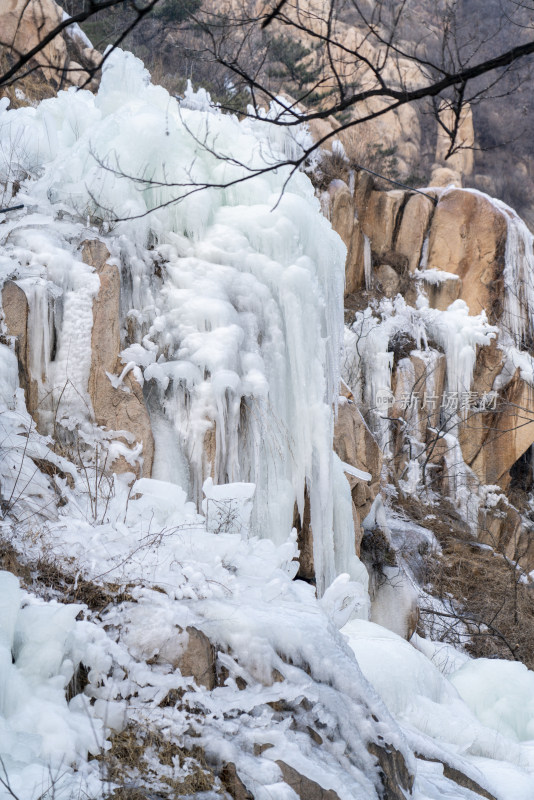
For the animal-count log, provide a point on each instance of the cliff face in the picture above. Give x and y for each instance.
(187, 430)
(444, 343)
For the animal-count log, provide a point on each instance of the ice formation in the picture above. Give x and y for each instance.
(232, 296)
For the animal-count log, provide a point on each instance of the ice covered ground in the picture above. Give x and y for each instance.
(295, 689)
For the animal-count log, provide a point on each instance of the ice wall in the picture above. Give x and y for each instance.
(231, 297)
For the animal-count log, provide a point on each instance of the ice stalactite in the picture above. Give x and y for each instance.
(367, 261)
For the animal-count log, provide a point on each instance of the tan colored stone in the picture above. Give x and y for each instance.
(233, 783)
(502, 436)
(467, 238)
(355, 445)
(387, 280)
(303, 527)
(16, 312)
(413, 229)
(489, 364)
(354, 267)
(379, 219)
(304, 787)
(118, 409)
(198, 659)
(344, 221)
(444, 176)
(441, 293)
(24, 23)
(341, 210)
(462, 160)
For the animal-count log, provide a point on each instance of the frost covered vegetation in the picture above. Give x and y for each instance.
(159, 643)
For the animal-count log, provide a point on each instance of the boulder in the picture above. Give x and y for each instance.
(344, 221)
(387, 280)
(444, 176)
(304, 787)
(25, 23)
(467, 238)
(120, 408)
(397, 779)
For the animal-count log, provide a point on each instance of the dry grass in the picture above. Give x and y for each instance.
(48, 578)
(132, 763)
(487, 594)
(33, 86)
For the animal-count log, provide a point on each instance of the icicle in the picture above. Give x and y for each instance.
(423, 263)
(367, 261)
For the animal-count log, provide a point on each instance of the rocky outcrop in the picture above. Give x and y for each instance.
(355, 445)
(493, 441)
(467, 238)
(461, 156)
(16, 312)
(66, 59)
(396, 777)
(117, 407)
(304, 787)
(24, 24)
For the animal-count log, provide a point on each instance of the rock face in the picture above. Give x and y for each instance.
(24, 24)
(467, 238)
(355, 445)
(304, 787)
(65, 60)
(462, 158)
(16, 312)
(502, 435)
(120, 408)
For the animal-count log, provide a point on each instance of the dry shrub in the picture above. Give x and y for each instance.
(131, 762)
(33, 85)
(486, 592)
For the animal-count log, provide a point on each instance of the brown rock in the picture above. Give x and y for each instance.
(467, 238)
(344, 221)
(440, 293)
(413, 228)
(444, 176)
(16, 311)
(233, 783)
(396, 778)
(387, 280)
(25, 23)
(341, 210)
(119, 409)
(355, 445)
(304, 787)
(198, 659)
(379, 219)
(303, 527)
(354, 267)
(492, 441)
(462, 160)
(460, 778)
